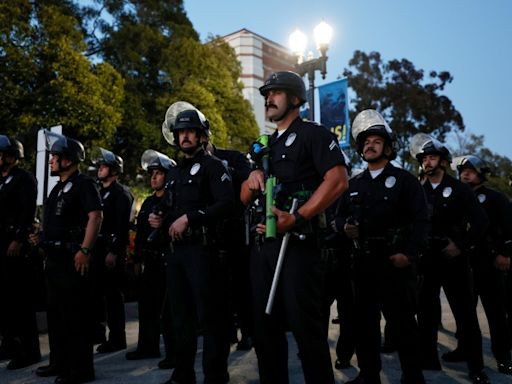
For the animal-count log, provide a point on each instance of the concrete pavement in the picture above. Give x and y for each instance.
(114, 368)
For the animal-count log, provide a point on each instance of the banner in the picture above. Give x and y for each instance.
(334, 110)
(304, 109)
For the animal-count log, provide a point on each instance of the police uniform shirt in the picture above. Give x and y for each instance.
(18, 194)
(239, 168)
(498, 208)
(144, 229)
(116, 202)
(301, 156)
(394, 200)
(67, 208)
(456, 213)
(202, 190)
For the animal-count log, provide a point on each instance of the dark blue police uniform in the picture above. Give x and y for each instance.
(299, 158)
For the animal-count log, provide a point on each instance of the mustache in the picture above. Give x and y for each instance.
(370, 150)
(270, 105)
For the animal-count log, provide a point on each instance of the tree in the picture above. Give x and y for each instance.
(407, 100)
(153, 45)
(501, 166)
(47, 80)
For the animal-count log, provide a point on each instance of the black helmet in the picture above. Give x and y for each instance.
(287, 81)
(473, 162)
(423, 144)
(71, 149)
(370, 122)
(152, 159)
(183, 115)
(101, 156)
(11, 147)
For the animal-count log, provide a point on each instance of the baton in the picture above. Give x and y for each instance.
(279, 266)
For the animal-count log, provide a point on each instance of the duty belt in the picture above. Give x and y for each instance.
(196, 235)
(59, 245)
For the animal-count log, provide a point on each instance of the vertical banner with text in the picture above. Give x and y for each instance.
(334, 110)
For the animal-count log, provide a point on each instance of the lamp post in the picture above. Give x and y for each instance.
(298, 42)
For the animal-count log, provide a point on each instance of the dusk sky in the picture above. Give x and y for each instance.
(471, 39)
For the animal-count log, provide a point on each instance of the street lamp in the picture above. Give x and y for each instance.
(298, 42)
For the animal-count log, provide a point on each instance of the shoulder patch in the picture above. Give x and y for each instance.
(225, 177)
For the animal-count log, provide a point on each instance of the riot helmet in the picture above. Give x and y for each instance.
(370, 122)
(473, 162)
(423, 144)
(152, 159)
(102, 156)
(11, 147)
(63, 146)
(183, 115)
(288, 81)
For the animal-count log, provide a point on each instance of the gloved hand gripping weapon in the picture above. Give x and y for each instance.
(162, 209)
(260, 154)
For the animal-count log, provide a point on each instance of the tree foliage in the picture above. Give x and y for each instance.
(153, 45)
(409, 100)
(46, 79)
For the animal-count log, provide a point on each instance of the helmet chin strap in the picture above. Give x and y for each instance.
(61, 168)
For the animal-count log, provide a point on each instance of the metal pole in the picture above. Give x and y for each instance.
(311, 80)
(279, 265)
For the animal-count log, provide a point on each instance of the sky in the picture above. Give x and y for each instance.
(472, 39)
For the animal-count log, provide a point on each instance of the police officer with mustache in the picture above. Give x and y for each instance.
(309, 165)
(384, 215)
(202, 195)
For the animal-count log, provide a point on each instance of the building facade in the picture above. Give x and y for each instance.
(259, 58)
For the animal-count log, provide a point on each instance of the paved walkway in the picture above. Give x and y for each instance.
(114, 368)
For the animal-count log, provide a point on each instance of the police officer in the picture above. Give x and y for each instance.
(339, 285)
(308, 164)
(490, 259)
(150, 250)
(71, 223)
(107, 264)
(458, 223)
(18, 193)
(202, 196)
(384, 214)
(234, 244)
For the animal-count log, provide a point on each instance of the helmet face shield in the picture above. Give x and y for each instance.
(471, 161)
(171, 125)
(11, 147)
(5, 143)
(423, 144)
(55, 143)
(102, 156)
(370, 122)
(152, 159)
(61, 145)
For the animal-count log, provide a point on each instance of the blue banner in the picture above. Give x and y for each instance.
(334, 110)
(304, 109)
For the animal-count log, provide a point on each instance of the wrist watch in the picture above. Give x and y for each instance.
(85, 251)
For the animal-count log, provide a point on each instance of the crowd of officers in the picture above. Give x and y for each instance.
(382, 244)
